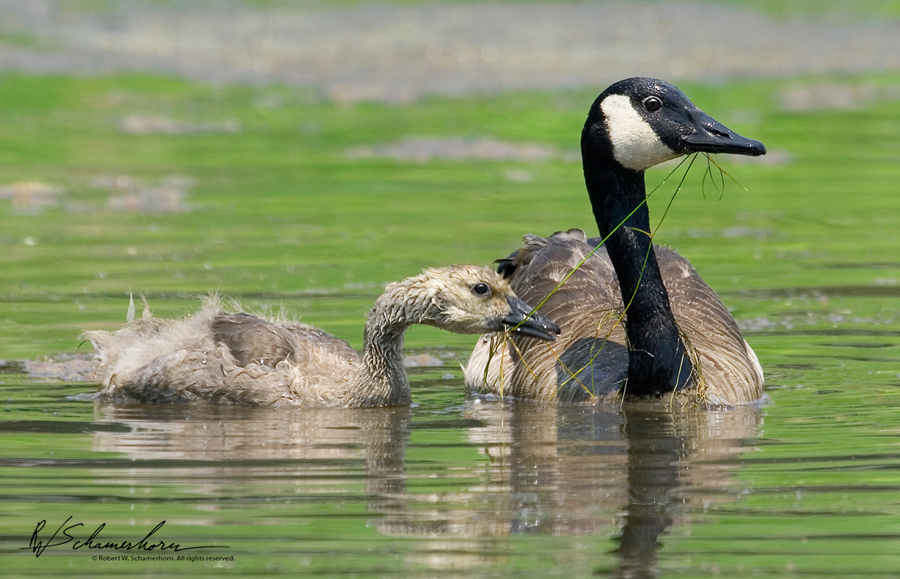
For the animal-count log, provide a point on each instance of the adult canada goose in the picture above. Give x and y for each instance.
(677, 333)
(215, 356)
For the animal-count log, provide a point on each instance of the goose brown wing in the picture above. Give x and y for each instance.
(727, 363)
(578, 290)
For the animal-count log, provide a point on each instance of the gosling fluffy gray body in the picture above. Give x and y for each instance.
(215, 356)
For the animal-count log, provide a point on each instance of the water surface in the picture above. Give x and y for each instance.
(277, 213)
(454, 487)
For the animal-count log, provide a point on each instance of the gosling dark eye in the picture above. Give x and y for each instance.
(652, 104)
(481, 289)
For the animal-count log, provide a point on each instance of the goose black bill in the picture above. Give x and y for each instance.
(714, 137)
(535, 325)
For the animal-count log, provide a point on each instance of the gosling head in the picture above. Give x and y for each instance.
(468, 299)
(641, 122)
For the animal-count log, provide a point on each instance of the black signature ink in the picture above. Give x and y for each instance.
(38, 546)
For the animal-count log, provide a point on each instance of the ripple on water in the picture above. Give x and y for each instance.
(492, 488)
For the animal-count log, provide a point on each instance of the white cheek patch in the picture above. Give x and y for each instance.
(635, 144)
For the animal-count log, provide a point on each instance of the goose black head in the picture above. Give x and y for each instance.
(641, 122)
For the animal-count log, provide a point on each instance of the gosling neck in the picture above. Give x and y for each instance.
(381, 380)
(658, 360)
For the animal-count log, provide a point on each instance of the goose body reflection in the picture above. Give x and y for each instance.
(637, 320)
(215, 356)
(617, 480)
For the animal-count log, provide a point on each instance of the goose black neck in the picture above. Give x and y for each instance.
(658, 360)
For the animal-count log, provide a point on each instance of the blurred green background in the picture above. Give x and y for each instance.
(133, 157)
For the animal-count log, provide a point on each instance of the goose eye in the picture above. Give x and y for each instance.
(652, 103)
(481, 289)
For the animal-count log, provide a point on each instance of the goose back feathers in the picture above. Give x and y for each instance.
(589, 360)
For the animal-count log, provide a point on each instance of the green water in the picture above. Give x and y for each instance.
(278, 212)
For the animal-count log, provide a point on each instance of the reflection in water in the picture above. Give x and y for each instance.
(550, 470)
(215, 432)
(572, 471)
